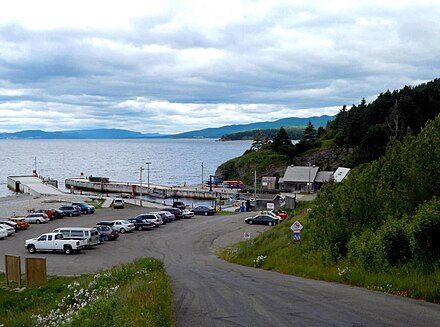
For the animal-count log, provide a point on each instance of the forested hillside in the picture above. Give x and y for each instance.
(387, 213)
(356, 136)
(367, 128)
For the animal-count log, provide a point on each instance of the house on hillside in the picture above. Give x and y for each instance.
(298, 179)
(308, 179)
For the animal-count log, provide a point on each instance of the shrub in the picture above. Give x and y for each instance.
(366, 251)
(395, 243)
(425, 233)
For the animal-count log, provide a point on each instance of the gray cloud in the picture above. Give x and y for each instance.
(180, 67)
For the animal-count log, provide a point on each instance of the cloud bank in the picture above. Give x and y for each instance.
(176, 66)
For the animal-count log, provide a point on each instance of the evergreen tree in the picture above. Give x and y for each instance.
(309, 133)
(282, 143)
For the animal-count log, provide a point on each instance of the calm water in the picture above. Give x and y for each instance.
(173, 162)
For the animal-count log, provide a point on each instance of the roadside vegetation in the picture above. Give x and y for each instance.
(380, 228)
(135, 294)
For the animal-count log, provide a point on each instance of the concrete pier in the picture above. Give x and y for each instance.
(32, 185)
(159, 191)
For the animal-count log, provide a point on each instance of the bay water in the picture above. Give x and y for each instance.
(173, 162)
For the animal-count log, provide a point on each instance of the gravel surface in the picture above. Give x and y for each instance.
(211, 292)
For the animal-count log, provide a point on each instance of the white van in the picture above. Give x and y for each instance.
(90, 235)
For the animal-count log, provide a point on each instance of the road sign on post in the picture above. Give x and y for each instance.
(247, 237)
(296, 226)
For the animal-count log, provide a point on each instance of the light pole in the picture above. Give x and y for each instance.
(140, 185)
(148, 174)
(255, 186)
(202, 174)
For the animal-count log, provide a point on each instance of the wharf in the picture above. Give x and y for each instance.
(154, 190)
(32, 185)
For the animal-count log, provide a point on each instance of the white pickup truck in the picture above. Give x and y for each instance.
(54, 242)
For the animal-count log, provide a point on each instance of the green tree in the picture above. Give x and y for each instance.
(309, 134)
(281, 142)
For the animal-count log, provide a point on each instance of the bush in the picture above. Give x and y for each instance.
(366, 251)
(425, 233)
(396, 243)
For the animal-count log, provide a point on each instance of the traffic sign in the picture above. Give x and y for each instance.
(247, 235)
(296, 226)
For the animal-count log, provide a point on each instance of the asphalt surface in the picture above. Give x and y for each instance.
(211, 292)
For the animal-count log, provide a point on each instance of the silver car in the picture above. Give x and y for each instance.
(36, 218)
(123, 226)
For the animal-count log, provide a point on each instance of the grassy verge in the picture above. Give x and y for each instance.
(274, 250)
(135, 294)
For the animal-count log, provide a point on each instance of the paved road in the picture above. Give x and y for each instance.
(210, 292)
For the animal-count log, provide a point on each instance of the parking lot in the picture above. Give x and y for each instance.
(128, 247)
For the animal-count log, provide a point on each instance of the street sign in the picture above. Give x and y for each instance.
(270, 206)
(296, 226)
(247, 235)
(296, 236)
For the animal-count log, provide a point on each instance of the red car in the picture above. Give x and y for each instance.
(280, 213)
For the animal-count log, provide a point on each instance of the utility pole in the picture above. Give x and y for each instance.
(148, 174)
(140, 185)
(202, 174)
(255, 185)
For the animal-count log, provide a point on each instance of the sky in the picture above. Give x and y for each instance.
(174, 66)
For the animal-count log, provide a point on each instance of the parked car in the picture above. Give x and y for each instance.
(107, 233)
(10, 230)
(169, 216)
(110, 224)
(70, 210)
(11, 224)
(175, 211)
(3, 233)
(123, 226)
(57, 213)
(49, 213)
(280, 213)
(54, 242)
(262, 219)
(118, 204)
(36, 218)
(141, 224)
(152, 218)
(203, 210)
(187, 213)
(22, 224)
(84, 207)
(89, 234)
(179, 204)
(162, 215)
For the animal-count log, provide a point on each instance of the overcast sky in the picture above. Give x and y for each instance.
(175, 66)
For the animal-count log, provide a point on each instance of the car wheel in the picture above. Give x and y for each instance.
(206, 213)
(122, 231)
(32, 249)
(270, 223)
(70, 214)
(38, 221)
(106, 238)
(68, 249)
(250, 222)
(139, 228)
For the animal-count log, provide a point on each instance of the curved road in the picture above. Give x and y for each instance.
(211, 292)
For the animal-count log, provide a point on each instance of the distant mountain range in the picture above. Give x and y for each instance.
(203, 133)
(230, 129)
(78, 134)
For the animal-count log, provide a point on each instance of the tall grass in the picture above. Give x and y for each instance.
(275, 250)
(135, 294)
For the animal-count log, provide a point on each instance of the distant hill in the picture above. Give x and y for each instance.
(78, 134)
(204, 133)
(231, 129)
(294, 133)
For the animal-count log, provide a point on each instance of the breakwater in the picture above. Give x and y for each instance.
(154, 190)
